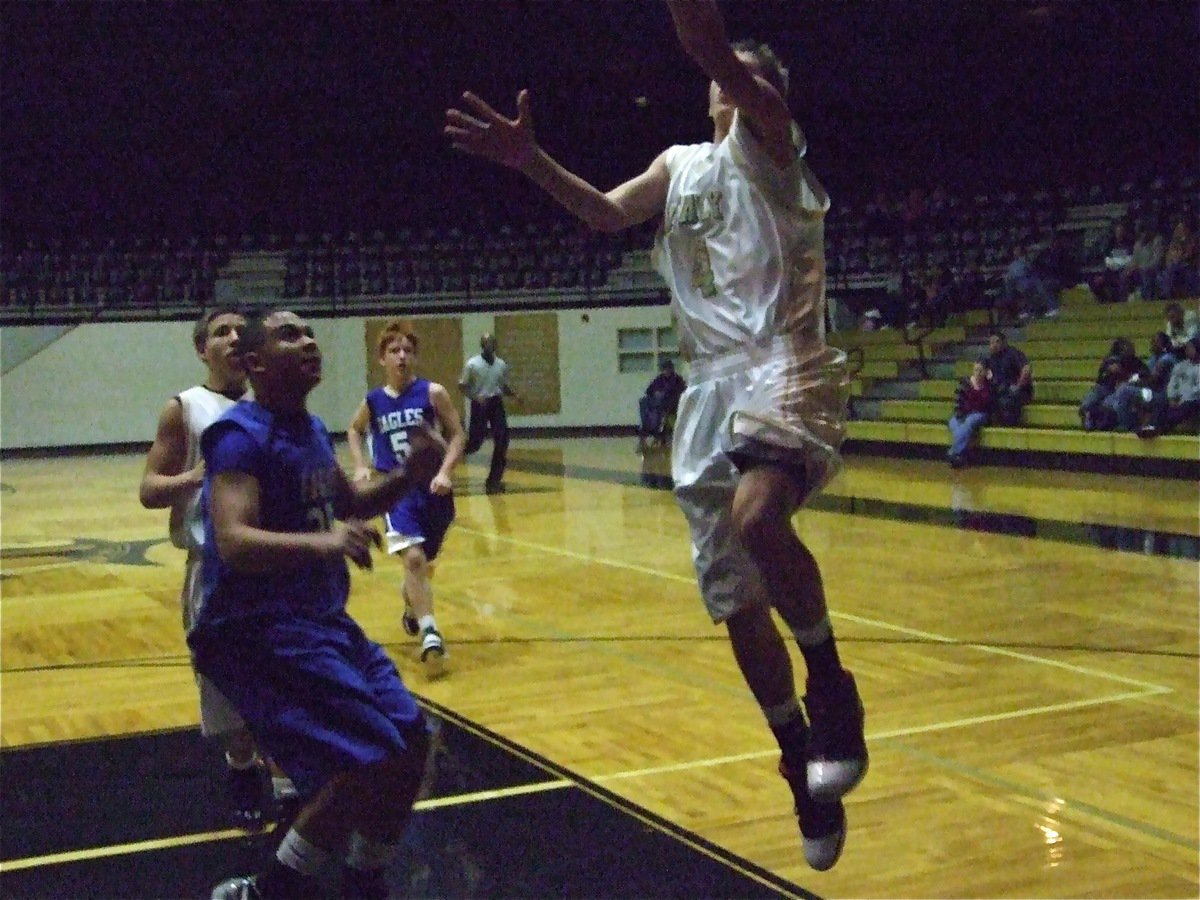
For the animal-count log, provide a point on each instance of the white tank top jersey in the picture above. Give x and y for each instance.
(742, 246)
(201, 407)
(482, 379)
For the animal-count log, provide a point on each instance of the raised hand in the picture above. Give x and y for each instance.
(427, 449)
(486, 133)
(355, 538)
(441, 484)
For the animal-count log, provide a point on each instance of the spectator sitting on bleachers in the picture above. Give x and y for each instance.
(1118, 260)
(1182, 399)
(1025, 292)
(972, 405)
(1178, 276)
(1146, 262)
(1178, 327)
(1059, 264)
(1011, 377)
(1143, 391)
(1096, 412)
(872, 320)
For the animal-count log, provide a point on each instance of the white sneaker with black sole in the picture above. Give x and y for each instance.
(433, 651)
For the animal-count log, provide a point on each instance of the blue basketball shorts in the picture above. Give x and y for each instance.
(421, 517)
(319, 697)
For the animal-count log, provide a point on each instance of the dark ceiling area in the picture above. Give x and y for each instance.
(185, 117)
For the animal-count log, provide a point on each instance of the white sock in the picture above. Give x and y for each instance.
(810, 637)
(783, 713)
(366, 854)
(426, 622)
(298, 854)
(241, 766)
(282, 788)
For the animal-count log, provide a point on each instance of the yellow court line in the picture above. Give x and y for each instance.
(537, 787)
(182, 840)
(861, 620)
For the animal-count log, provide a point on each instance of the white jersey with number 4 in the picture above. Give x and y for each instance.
(743, 245)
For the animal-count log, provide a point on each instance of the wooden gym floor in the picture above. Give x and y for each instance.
(1025, 642)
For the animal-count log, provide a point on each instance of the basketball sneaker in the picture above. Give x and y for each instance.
(433, 650)
(246, 789)
(244, 887)
(837, 747)
(822, 825)
(408, 619)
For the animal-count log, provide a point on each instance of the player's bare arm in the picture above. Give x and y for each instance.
(452, 431)
(701, 32)
(356, 433)
(245, 546)
(364, 499)
(164, 480)
(511, 142)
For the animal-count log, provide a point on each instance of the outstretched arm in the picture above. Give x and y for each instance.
(363, 499)
(511, 142)
(701, 31)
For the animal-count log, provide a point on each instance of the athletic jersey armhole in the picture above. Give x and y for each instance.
(228, 447)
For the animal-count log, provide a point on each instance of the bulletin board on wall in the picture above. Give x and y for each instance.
(439, 352)
(528, 342)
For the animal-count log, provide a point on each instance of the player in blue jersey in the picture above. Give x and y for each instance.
(417, 524)
(273, 633)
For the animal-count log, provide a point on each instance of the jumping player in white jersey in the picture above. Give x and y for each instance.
(173, 476)
(760, 425)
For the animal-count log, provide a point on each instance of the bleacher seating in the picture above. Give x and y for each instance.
(140, 277)
(451, 261)
(907, 408)
(868, 245)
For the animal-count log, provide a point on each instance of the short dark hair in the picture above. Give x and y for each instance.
(254, 333)
(772, 69)
(200, 329)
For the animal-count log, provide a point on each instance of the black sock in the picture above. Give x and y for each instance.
(792, 737)
(822, 659)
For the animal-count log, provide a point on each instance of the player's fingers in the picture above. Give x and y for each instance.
(481, 106)
(460, 135)
(361, 558)
(462, 120)
(524, 109)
